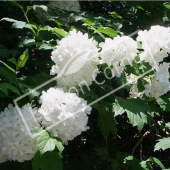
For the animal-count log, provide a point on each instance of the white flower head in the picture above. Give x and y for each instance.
(158, 84)
(76, 59)
(134, 92)
(66, 108)
(156, 44)
(118, 52)
(16, 143)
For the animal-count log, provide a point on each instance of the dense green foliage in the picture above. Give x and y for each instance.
(124, 133)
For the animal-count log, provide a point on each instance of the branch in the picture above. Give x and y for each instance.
(140, 140)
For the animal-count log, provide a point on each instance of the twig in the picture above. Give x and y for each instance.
(140, 140)
(156, 135)
(92, 142)
(130, 141)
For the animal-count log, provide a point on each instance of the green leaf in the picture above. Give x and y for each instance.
(46, 142)
(14, 52)
(59, 145)
(5, 86)
(164, 102)
(108, 31)
(140, 85)
(38, 132)
(133, 162)
(17, 24)
(102, 152)
(17, 4)
(146, 165)
(167, 125)
(136, 111)
(45, 8)
(25, 41)
(7, 74)
(115, 15)
(13, 60)
(46, 47)
(34, 7)
(98, 32)
(34, 43)
(37, 162)
(51, 161)
(115, 164)
(60, 32)
(7, 66)
(88, 21)
(47, 161)
(106, 121)
(158, 163)
(22, 59)
(163, 144)
(4, 52)
(167, 6)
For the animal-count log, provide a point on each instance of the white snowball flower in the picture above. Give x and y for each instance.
(118, 52)
(156, 44)
(16, 144)
(66, 108)
(76, 59)
(158, 84)
(134, 92)
(132, 78)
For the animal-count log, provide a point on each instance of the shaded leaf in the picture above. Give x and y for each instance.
(5, 86)
(7, 66)
(163, 144)
(46, 47)
(106, 122)
(47, 161)
(37, 162)
(102, 152)
(17, 24)
(115, 164)
(164, 102)
(136, 111)
(34, 7)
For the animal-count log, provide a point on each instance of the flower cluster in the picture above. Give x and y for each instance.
(117, 53)
(16, 143)
(57, 106)
(156, 86)
(76, 60)
(156, 44)
(65, 110)
(159, 84)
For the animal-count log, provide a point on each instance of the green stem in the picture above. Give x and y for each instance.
(25, 14)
